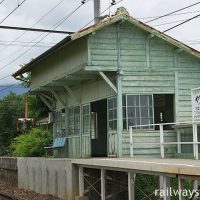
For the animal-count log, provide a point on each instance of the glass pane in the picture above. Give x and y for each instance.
(131, 112)
(144, 112)
(115, 125)
(86, 109)
(110, 114)
(124, 100)
(110, 125)
(110, 103)
(150, 100)
(124, 112)
(77, 110)
(131, 122)
(130, 100)
(115, 103)
(115, 114)
(150, 112)
(124, 123)
(143, 100)
(137, 112)
(145, 121)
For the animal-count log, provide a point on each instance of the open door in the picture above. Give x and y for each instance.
(99, 128)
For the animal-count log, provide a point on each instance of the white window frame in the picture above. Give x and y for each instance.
(139, 127)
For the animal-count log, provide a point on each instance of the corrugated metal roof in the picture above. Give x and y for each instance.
(121, 14)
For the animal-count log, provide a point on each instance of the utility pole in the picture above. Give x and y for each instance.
(97, 10)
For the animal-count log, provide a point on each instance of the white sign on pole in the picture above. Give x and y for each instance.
(195, 93)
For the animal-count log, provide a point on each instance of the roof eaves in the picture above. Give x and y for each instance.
(96, 27)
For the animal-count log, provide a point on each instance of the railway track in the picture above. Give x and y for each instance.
(7, 196)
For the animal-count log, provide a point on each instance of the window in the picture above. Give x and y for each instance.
(112, 113)
(164, 109)
(74, 120)
(139, 110)
(59, 123)
(86, 119)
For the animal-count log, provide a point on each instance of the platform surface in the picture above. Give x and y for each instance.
(156, 165)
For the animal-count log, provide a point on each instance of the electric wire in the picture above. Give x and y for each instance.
(55, 26)
(101, 13)
(173, 12)
(39, 20)
(182, 20)
(181, 23)
(2, 2)
(177, 14)
(12, 12)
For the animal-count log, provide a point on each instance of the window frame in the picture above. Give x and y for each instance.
(82, 119)
(113, 119)
(127, 118)
(68, 120)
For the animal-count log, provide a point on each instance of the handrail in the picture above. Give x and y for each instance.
(162, 143)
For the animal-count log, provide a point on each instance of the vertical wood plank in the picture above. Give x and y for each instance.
(131, 186)
(103, 184)
(81, 182)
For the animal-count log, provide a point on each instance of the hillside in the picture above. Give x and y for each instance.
(6, 89)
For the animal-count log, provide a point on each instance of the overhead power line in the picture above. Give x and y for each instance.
(2, 2)
(40, 19)
(101, 13)
(177, 14)
(35, 29)
(53, 28)
(12, 12)
(182, 20)
(173, 12)
(181, 23)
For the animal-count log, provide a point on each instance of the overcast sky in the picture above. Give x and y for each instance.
(16, 46)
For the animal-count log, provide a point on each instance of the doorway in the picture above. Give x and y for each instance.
(99, 128)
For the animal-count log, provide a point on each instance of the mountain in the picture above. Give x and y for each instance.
(6, 89)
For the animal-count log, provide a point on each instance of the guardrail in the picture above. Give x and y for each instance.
(162, 143)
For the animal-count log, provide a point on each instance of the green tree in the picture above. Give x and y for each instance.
(31, 144)
(11, 107)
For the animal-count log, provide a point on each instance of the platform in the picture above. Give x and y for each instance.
(149, 165)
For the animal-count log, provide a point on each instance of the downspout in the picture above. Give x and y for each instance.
(119, 94)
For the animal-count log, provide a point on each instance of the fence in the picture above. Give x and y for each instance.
(162, 143)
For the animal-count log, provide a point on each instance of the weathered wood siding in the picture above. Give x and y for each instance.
(87, 92)
(150, 66)
(103, 48)
(64, 61)
(148, 136)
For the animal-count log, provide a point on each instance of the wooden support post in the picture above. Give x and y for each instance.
(162, 148)
(165, 186)
(81, 182)
(131, 186)
(179, 140)
(195, 141)
(131, 141)
(180, 187)
(103, 184)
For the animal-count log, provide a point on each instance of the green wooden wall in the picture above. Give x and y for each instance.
(64, 61)
(150, 66)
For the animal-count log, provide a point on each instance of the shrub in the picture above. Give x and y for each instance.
(31, 144)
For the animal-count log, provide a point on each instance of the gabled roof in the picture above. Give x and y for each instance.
(120, 15)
